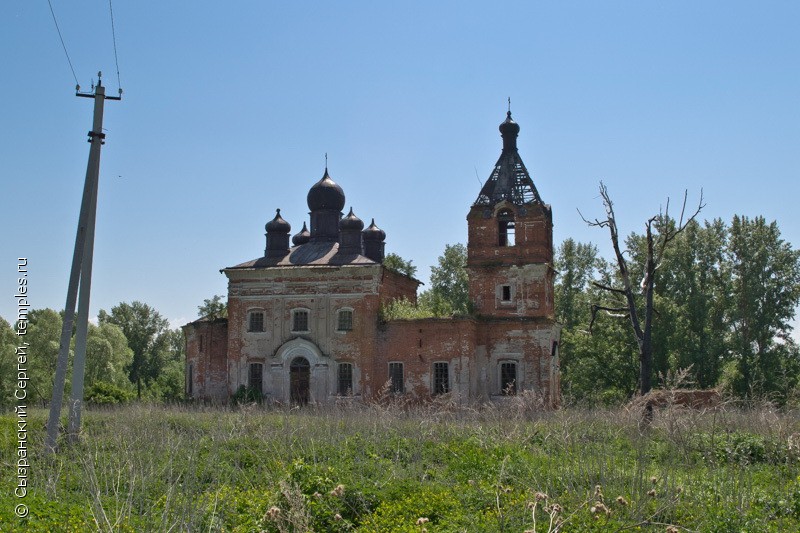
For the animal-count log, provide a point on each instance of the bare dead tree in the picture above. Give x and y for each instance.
(659, 232)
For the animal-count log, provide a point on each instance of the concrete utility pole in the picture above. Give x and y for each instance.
(81, 271)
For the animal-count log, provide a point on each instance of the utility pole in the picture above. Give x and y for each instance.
(81, 271)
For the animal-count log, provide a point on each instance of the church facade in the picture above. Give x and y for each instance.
(304, 320)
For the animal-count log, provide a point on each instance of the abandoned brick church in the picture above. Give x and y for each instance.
(304, 322)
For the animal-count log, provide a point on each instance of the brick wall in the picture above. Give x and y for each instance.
(207, 359)
(420, 343)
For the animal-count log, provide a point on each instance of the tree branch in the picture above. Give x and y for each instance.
(612, 311)
(607, 288)
(668, 235)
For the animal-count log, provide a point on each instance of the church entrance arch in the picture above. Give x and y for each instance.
(300, 373)
(299, 381)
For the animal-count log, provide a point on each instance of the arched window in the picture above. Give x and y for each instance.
(506, 228)
(344, 320)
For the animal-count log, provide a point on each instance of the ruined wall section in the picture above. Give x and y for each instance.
(530, 290)
(421, 343)
(531, 344)
(206, 368)
(396, 286)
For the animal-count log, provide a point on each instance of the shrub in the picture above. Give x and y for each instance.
(103, 393)
(402, 308)
(247, 395)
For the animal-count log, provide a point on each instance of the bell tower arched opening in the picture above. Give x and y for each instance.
(506, 228)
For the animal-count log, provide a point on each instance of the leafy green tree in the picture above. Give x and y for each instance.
(145, 330)
(8, 361)
(44, 336)
(107, 355)
(169, 385)
(398, 264)
(449, 292)
(690, 296)
(215, 307)
(601, 365)
(765, 291)
(575, 263)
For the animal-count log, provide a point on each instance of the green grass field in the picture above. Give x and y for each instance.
(393, 468)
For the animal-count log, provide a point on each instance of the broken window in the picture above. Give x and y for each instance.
(256, 321)
(396, 378)
(256, 378)
(508, 378)
(506, 228)
(441, 378)
(345, 387)
(344, 321)
(300, 320)
(190, 380)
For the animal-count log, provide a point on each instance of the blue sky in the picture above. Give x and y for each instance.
(229, 109)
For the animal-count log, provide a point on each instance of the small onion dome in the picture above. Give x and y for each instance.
(509, 126)
(325, 194)
(277, 224)
(351, 222)
(374, 233)
(302, 237)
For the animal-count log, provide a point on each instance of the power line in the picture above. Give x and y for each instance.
(114, 38)
(65, 46)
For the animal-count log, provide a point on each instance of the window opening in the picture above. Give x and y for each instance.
(506, 296)
(345, 379)
(345, 320)
(256, 377)
(441, 378)
(300, 320)
(508, 378)
(506, 228)
(396, 378)
(256, 321)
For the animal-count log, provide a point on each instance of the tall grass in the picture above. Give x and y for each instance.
(393, 467)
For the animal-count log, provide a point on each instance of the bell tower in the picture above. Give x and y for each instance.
(510, 240)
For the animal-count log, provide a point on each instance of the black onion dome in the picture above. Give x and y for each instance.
(303, 237)
(509, 126)
(351, 222)
(374, 233)
(277, 224)
(326, 194)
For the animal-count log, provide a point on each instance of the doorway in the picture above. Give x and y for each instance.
(299, 381)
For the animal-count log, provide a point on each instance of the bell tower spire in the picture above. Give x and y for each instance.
(510, 179)
(510, 243)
